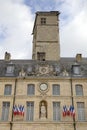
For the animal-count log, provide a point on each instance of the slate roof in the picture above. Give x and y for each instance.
(58, 67)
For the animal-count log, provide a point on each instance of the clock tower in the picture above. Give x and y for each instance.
(46, 44)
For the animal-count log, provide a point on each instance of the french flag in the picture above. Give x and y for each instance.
(22, 110)
(18, 110)
(64, 111)
(72, 111)
(68, 111)
(15, 110)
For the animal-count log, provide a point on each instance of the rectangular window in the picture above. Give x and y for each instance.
(30, 111)
(79, 90)
(43, 21)
(41, 56)
(56, 89)
(8, 89)
(56, 111)
(81, 111)
(30, 89)
(5, 111)
(10, 69)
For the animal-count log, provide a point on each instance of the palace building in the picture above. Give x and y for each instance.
(48, 92)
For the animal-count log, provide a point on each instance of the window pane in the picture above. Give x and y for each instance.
(30, 111)
(56, 111)
(5, 111)
(81, 111)
(10, 69)
(43, 21)
(76, 70)
(79, 90)
(41, 56)
(30, 89)
(56, 89)
(8, 89)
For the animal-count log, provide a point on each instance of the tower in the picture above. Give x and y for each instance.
(46, 36)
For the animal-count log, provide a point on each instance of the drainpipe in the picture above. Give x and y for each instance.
(74, 122)
(13, 103)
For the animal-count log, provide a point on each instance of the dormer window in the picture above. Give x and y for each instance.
(41, 56)
(43, 21)
(76, 69)
(10, 70)
(29, 70)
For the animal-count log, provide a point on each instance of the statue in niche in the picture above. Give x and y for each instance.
(43, 111)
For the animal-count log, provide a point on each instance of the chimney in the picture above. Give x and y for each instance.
(7, 56)
(78, 57)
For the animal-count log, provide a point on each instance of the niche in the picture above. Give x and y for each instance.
(43, 110)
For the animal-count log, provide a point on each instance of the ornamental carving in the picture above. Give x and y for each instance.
(44, 69)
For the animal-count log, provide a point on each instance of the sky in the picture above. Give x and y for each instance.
(17, 20)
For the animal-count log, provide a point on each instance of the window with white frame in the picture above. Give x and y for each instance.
(81, 111)
(56, 89)
(8, 89)
(79, 90)
(56, 111)
(30, 111)
(30, 89)
(5, 111)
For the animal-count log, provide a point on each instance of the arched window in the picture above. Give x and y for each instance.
(79, 90)
(81, 111)
(56, 89)
(30, 111)
(56, 111)
(30, 89)
(8, 89)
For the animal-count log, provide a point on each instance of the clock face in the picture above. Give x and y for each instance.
(43, 87)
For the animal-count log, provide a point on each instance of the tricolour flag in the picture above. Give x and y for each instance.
(15, 110)
(18, 110)
(64, 111)
(22, 110)
(68, 111)
(72, 111)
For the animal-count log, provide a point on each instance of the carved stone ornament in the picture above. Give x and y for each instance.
(22, 73)
(44, 69)
(65, 73)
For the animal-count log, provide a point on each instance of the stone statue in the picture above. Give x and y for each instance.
(43, 111)
(22, 73)
(7, 56)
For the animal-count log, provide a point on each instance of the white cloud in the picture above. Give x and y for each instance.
(16, 23)
(73, 28)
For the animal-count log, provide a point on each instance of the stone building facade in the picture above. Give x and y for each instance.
(48, 92)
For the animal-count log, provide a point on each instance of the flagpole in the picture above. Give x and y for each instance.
(13, 103)
(74, 122)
